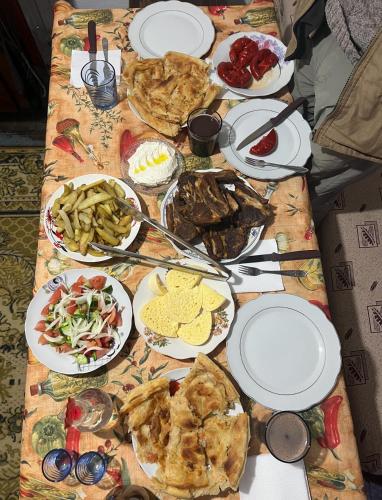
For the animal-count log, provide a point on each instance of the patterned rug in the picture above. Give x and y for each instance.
(21, 171)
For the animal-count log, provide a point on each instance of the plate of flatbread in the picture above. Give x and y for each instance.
(189, 432)
(162, 92)
(179, 314)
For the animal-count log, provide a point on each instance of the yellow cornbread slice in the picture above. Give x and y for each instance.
(198, 331)
(155, 316)
(177, 280)
(156, 285)
(184, 305)
(211, 299)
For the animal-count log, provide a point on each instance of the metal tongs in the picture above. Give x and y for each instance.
(141, 217)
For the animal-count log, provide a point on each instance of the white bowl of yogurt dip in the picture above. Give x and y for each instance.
(152, 164)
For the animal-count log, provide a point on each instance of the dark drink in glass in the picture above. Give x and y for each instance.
(203, 129)
(287, 436)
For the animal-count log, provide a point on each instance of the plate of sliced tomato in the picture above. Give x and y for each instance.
(252, 64)
(79, 321)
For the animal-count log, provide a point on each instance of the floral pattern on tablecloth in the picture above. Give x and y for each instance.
(93, 145)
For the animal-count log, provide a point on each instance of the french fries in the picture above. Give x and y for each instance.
(89, 214)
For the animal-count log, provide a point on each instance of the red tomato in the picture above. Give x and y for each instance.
(81, 280)
(56, 296)
(41, 326)
(263, 61)
(45, 310)
(71, 307)
(42, 340)
(240, 43)
(117, 319)
(266, 145)
(235, 77)
(98, 282)
(76, 288)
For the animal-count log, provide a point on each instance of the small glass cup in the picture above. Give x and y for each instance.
(203, 129)
(90, 468)
(287, 436)
(57, 465)
(94, 410)
(100, 82)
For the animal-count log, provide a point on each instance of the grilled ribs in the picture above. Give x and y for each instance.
(225, 241)
(254, 210)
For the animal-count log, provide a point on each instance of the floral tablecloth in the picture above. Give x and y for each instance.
(94, 146)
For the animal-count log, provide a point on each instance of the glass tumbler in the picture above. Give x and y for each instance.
(203, 129)
(100, 82)
(57, 465)
(90, 468)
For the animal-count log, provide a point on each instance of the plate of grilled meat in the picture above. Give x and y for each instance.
(216, 211)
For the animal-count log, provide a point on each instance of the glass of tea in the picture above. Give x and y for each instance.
(287, 436)
(92, 410)
(203, 129)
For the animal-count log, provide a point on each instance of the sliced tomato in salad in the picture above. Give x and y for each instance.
(56, 296)
(71, 308)
(41, 326)
(98, 282)
(45, 310)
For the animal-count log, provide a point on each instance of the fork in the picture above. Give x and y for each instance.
(254, 162)
(255, 271)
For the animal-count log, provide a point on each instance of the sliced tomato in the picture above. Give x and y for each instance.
(101, 353)
(45, 310)
(71, 307)
(98, 282)
(81, 280)
(41, 326)
(42, 340)
(56, 296)
(64, 348)
(117, 319)
(111, 316)
(106, 341)
(76, 289)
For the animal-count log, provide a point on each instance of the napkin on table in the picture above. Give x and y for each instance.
(266, 478)
(81, 57)
(242, 283)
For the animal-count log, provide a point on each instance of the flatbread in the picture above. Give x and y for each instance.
(164, 91)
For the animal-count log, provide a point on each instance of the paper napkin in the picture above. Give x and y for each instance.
(81, 57)
(266, 478)
(241, 283)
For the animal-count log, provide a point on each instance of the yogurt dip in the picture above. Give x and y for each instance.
(152, 164)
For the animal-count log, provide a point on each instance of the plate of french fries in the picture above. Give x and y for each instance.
(84, 211)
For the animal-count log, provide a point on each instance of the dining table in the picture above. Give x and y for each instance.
(332, 464)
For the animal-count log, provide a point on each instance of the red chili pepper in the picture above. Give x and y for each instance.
(66, 145)
(235, 77)
(87, 43)
(217, 10)
(331, 438)
(266, 145)
(263, 61)
(125, 146)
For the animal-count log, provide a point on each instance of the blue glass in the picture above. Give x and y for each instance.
(100, 82)
(90, 468)
(57, 465)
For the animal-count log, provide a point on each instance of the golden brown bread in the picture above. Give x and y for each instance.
(164, 91)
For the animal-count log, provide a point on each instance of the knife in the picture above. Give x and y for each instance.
(273, 122)
(92, 41)
(280, 257)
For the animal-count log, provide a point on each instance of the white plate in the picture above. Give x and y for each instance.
(165, 26)
(293, 138)
(176, 347)
(273, 80)
(253, 237)
(56, 239)
(178, 374)
(283, 352)
(65, 363)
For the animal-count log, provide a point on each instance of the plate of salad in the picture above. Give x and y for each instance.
(79, 321)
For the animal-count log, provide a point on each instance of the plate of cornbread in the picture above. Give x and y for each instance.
(180, 314)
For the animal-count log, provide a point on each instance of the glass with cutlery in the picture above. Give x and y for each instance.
(100, 82)
(287, 436)
(203, 129)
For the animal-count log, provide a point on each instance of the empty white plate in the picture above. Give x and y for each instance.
(284, 352)
(165, 26)
(293, 138)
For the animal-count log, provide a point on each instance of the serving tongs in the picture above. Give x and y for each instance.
(224, 275)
